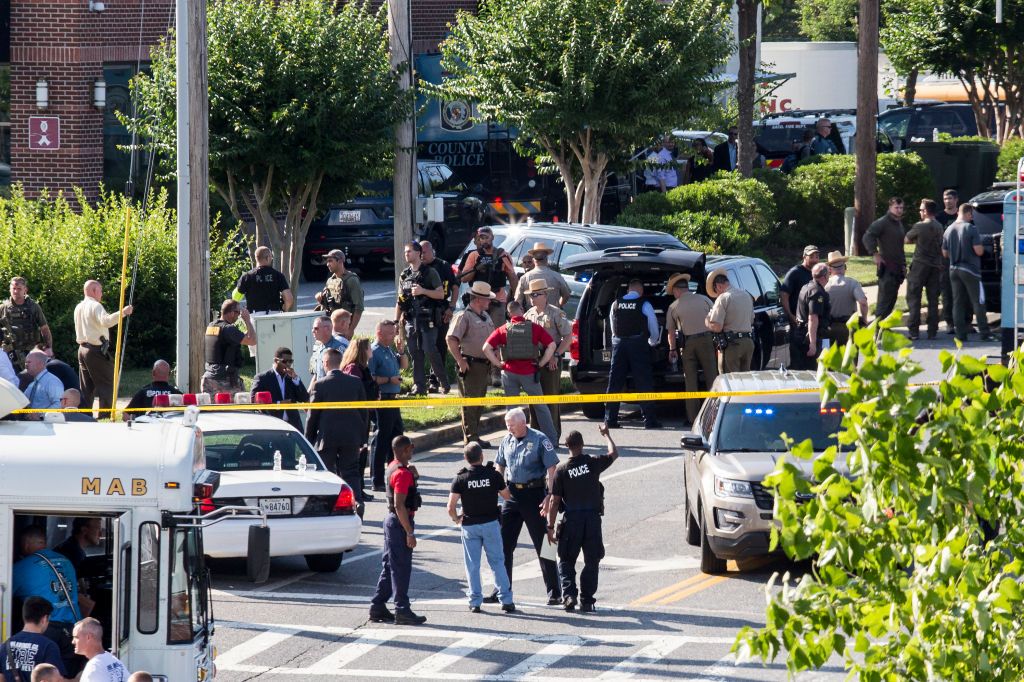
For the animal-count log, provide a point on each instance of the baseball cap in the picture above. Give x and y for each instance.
(336, 254)
(809, 249)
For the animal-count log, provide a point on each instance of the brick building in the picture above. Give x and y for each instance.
(64, 72)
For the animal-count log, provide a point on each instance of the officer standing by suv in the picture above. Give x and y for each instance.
(795, 280)
(467, 335)
(419, 290)
(634, 333)
(689, 339)
(444, 309)
(732, 320)
(494, 266)
(343, 290)
(813, 319)
(558, 326)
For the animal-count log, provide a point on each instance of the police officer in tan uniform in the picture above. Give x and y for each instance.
(732, 320)
(558, 326)
(689, 338)
(847, 297)
(467, 333)
(540, 253)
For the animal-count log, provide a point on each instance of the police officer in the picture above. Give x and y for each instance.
(884, 241)
(634, 333)
(95, 353)
(689, 339)
(846, 296)
(399, 540)
(578, 488)
(264, 288)
(445, 307)
(467, 334)
(419, 289)
(796, 278)
(925, 270)
(494, 266)
(542, 272)
(555, 323)
(813, 314)
(732, 320)
(527, 460)
(24, 322)
(342, 291)
(478, 487)
(224, 341)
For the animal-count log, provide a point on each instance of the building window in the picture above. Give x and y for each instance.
(5, 125)
(116, 158)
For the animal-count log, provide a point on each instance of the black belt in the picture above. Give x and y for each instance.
(389, 396)
(696, 336)
(470, 359)
(739, 335)
(91, 346)
(529, 485)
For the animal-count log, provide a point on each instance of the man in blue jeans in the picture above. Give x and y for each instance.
(385, 368)
(478, 487)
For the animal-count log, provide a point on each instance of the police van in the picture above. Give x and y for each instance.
(144, 570)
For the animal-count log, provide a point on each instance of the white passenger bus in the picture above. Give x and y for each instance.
(146, 572)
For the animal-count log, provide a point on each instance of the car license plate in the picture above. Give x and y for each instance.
(349, 216)
(276, 506)
(606, 356)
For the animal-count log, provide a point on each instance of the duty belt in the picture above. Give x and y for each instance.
(470, 359)
(739, 335)
(535, 483)
(696, 336)
(388, 396)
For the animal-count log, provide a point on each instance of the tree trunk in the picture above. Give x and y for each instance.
(910, 89)
(867, 111)
(747, 38)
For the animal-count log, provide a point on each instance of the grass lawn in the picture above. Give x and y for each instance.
(863, 269)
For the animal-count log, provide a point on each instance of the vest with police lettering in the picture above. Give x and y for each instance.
(519, 342)
(628, 318)
(222, 356)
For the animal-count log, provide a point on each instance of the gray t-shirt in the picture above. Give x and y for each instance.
(959, 241)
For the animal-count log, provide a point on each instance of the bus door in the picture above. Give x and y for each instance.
(121, 545)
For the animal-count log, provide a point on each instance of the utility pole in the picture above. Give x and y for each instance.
(193, 286)
(400, 36)
(867, 121)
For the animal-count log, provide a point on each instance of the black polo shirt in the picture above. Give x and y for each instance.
(577, 482)
(479, 486)
(814, 300)
(262, 288)
(144, 396)
(796, 279)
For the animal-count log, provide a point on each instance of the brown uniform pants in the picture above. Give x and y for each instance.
(698, 353)
(736, 357)
(839, 332)
(473, 385)
(96, 374)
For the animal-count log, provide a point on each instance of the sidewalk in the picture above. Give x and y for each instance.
(872, 293)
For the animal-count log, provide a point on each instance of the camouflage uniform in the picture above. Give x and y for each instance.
(21, 327)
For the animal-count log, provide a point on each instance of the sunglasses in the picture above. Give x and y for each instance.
(535, 295)
(283, 361)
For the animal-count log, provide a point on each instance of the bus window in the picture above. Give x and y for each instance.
(187, 604)
(149, 577)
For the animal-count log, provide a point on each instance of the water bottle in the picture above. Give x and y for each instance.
(277, 460)
(935, 134)
(301, 466)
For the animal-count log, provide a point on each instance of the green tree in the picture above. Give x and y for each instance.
(303, 102)
(908, 582)
(782, 21)
(584, 80)
(825, 20)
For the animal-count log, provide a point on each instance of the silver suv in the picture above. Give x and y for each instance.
(735, 442)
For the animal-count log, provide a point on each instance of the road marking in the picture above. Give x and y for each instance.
(336, 660)
(699, 587)
(451, 654)
(256, 645)
(641, 467)
(720, 671)
(665, 591)
(284, 582)
(378, 552)
(649, 655)
(545, 658)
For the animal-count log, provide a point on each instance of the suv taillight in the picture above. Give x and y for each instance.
(346, 502)
(574, 345)
(206, 505)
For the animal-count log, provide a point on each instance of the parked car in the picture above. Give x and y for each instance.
(364, 228)
(780, 134)
(605, 275)
(906, 124)
(734, 443)
(988, 218)
(569, 239)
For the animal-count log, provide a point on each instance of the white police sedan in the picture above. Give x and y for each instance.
(260, 459)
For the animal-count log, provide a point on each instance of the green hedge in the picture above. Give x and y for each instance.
(745, 200)
(1010, 154)
(700, 230)
(57, 244)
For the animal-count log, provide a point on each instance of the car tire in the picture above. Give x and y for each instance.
(709, 563)
(593, 410)
(691, 531)
(324, 563)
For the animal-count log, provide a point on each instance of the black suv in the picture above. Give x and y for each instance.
(988, 218)
(607, 274)
(921, 120)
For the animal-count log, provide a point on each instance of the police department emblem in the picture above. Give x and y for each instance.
(455, 115)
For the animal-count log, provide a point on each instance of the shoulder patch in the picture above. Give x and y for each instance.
(547, 444)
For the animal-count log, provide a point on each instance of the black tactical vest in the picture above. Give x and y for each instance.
(220, 353)
(413, 500)
(490, 269)
(628, 318)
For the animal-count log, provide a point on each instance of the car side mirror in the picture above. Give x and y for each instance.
(693, 442)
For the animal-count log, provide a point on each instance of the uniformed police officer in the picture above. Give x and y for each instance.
(23, 320)
(445, 307)
(478, 487)
(732, 320)
(343, 290)
(264, 288)
(578, 488)
(419, 289)
(813, 315)
(884, 241)
(558, 326)
(925, 270)
(795, 280)
(466, 337)
(689, 339)
(224, 343)
(494, 266)
(846, 296)
(542, 272)
(527, 460)
(399, 539)
(634, 333)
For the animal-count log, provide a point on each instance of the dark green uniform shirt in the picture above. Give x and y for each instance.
(886, 234)
(927, 234)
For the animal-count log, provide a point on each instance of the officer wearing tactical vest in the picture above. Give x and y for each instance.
(527, 460)
(732, 320)
(688, 339)
(23, 321)
(342, 291)
(634, 333)
(577, 488)
(558, 326)
(494, 266)
(419, 289)
(224, 343)
(520, 340)
(469, 330)
(399, 539)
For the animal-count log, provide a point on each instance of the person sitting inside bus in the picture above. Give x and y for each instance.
(30, 648)
(45, 573)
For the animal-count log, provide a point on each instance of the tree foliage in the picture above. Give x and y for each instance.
(908, 582)
(825, 20)
(583, 80)
(303, 102)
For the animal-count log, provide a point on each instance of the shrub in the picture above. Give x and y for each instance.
(746, 200)
(700, 230)
(1010, 154)
(57, 244)
(649, 203)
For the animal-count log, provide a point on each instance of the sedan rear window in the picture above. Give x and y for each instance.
(254, 450)
(749, 427)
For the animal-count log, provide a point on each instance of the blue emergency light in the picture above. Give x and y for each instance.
(759, 411)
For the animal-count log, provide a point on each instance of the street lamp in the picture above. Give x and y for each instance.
(42, 94)
(99, 94)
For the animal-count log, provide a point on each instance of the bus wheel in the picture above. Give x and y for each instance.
(324, 563)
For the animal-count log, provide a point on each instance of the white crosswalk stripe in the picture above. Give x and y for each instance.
(549, 655)
(649, 655)
(348, 653)
(451, 654)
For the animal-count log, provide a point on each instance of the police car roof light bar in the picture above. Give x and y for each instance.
(161, 400)
(262, 398)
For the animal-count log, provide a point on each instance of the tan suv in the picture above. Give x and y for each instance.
(735, 442)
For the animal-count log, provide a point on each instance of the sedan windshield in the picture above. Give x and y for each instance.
(254, 450)
(747, 427)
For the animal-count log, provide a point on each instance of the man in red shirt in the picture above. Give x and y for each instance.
(521, 342)
(399, 539)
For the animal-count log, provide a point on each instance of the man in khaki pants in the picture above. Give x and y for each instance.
(467, 333)
(555, 322)
(689, 339)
